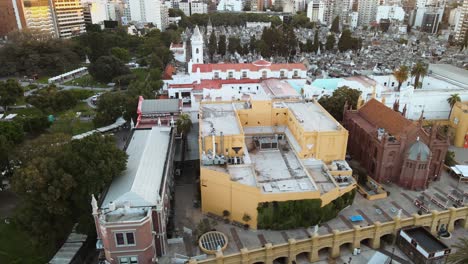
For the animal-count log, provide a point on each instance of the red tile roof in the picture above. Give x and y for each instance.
(255, 66)
(168, 72)
(213, 84)
(380, 116)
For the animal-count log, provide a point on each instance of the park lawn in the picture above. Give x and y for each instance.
(68, 123)
(30, 111)
(43, 80)
(15, 247)
(86, 81)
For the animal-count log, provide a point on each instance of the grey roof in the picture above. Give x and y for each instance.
(140, 182)
(160, 105)
(419, 148)
(450, 72)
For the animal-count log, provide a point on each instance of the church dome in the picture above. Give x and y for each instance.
(419, 150)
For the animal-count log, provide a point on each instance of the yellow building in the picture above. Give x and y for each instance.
(269, 150)
(459, 121)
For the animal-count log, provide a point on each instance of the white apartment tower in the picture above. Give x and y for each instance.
(461, 26)
(150, 11)
(197, 46)
(69, 18)
(316, 11)
(367, 10)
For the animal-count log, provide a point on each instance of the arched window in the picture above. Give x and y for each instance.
(196, 51)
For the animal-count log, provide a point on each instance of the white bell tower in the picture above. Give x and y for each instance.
(197, 46)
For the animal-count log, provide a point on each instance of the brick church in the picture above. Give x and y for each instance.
(394, 149)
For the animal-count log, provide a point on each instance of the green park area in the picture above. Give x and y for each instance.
(16, 247)
(86, 81)
(74, 121)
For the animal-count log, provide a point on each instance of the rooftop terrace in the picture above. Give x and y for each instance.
(312, 117)
(221, 118)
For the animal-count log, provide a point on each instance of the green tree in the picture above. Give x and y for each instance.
(148, 87)
(6, 156)
(450, 159)
(10, 92)
(121, 54)
(452, 100)
(252, 46)
(12, 131)
(233, 44)
(184, 124)
(335, 27)
(106, 68)
(222, 45)
(460, 256)
(419, 70)
(345, 41)
(212, 45)
(31, 53)
(114, 105)
(330, 44)
(316, 44)
(334, 104)
(401, 75)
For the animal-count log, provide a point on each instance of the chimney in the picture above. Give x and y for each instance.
(111, 206)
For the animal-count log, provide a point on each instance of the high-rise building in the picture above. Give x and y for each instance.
(461, 26)
(11, 16)
(150, 11)
(69, 18)
(39, 14)
(367, 11)
(393, 12)
(316, 11)
(96, 11)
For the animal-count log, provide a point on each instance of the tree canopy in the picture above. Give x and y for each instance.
(107, 68)
(335, 104)
(335, 27)
(26, 53)
(347, 42)
(10, 92)
(55, 187)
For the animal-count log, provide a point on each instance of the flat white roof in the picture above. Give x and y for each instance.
(313, 117)
(221, 117)
(140, 183)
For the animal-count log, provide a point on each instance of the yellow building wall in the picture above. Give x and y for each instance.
(460, 112)
(229, 142)
(219, 193)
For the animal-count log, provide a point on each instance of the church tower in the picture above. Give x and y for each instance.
(197, 46)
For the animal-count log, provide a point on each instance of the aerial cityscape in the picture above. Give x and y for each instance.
(233, 131)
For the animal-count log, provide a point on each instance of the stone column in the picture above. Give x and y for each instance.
(375, 243)
(357, 237)
(292, 250)
(416, 219)
(434, 221)
(268, 253)
(244, 255)
(314, 256)
(397, 226)
(336, 246)
(451, 223)
(219, 257)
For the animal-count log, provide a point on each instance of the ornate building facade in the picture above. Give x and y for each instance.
(394, 149)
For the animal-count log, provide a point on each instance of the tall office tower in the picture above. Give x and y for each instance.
(316, 11)
(342, 8)
(328, 12)
(150, 11)
(367, 11)
(69, 18)
(461, 26)
(11, 16)
(95, 11)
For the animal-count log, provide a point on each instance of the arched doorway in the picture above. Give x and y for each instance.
(388, 239)
(259, 262)
(281, 260)
(366, 243)
(459, 223)
(346, 248)
(302, 258)
(324, 253)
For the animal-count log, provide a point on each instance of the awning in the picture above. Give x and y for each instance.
(356, 218)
